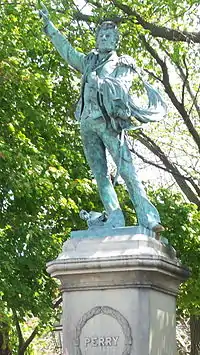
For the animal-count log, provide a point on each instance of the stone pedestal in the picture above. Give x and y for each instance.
(119, 293)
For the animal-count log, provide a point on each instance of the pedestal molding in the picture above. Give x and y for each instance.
(86, 266)
(130, 274)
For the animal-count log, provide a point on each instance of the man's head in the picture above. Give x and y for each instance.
(107, 37)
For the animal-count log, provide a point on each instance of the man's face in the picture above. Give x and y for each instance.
(106, 40)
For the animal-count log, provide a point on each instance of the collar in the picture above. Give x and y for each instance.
(111, 56)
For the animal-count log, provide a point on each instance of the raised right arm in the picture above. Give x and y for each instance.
(67, 52)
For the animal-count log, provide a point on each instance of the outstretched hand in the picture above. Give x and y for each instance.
(44, 13)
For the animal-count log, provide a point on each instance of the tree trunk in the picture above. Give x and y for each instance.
(195, 335)
(4, 339)
(20, 352)
(25, 344)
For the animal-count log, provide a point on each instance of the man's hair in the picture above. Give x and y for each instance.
(108, 25)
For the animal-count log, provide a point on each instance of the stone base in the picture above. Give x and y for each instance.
(118, 293)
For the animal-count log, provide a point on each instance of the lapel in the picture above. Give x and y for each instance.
(111, 59)
(93, 63)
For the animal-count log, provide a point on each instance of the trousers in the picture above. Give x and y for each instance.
(97, 136)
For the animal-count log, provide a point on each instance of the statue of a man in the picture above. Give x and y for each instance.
(105, 110)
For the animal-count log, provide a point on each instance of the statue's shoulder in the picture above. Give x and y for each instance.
(127, 60)
(91, 55)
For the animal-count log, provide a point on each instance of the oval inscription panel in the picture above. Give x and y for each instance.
(103, 330)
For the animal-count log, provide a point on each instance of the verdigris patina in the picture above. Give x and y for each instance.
(105, 110)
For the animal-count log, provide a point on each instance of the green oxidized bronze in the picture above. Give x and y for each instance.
(105, 110)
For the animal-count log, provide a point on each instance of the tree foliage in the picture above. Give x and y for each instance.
(44, 180)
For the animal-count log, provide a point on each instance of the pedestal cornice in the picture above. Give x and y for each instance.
(122, 258)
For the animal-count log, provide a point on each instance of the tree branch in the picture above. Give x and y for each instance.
(94, 3)
(83, 17)
(28, 341)
(188, 178)
(154, 148)
(178, 105)
(147, 161)
(79, 16)
(153, 75)
(196, 187)
(184, 81)
(187, 85)
(194, 102)
(18, 328)
(57, 303)
(23, 344)
(159, 31)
